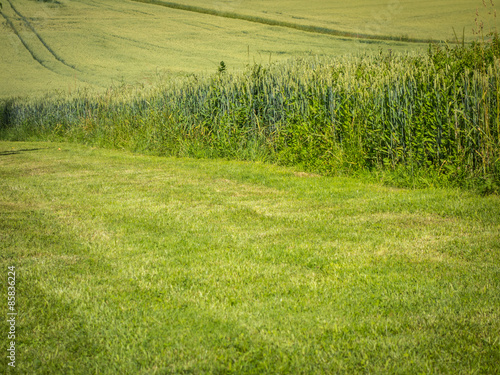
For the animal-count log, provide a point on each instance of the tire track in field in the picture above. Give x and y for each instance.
(27, 23)
(9, 22)
(48, 61)
(100, 5)
(47, 47)
(138, 43)
(285, 24)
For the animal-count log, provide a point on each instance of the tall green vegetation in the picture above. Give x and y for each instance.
(410, 116)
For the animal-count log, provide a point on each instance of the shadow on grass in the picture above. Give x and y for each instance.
(15, 152)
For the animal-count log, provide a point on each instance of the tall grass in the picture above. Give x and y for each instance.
(413, 115)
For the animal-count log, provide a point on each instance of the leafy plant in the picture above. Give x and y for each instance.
(222, 67)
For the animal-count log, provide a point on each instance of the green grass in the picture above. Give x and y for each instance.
(141, 265)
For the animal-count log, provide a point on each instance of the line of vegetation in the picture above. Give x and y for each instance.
(27, 23)
(291, 25)
(414, 118)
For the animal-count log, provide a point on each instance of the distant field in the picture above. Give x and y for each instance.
(67, 44)
(427, 19)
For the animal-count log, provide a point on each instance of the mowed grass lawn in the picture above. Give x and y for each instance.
(137, 264)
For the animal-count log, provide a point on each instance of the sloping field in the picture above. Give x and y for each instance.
(67, 44)
(425, 19)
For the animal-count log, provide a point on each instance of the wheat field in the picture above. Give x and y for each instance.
(65, 45)
(413, 19)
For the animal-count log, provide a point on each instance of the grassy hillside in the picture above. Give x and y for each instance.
(68, 44)
(144, 265)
